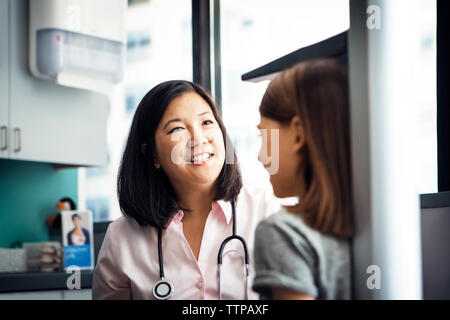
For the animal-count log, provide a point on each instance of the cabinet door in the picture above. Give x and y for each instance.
(48, 122)
(4, 75)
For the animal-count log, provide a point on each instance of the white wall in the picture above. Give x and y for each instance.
(384, 83)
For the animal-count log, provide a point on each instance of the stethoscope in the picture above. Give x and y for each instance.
(163, 289)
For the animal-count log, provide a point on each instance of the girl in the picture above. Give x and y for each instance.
(303, 252)
(177, 183)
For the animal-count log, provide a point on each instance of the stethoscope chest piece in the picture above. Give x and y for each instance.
(162, 290)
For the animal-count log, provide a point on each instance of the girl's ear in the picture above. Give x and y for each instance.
(298, 133)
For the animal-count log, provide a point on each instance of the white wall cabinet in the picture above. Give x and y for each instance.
(4, 72)
(40, 120)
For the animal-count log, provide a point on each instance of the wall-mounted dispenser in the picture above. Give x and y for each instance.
(78, 43)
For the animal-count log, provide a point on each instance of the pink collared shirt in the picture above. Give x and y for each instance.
(128, 267)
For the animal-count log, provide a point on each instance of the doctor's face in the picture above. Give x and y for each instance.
(189, 142)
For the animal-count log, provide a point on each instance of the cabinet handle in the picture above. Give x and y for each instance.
(17, 139)
(4, 137)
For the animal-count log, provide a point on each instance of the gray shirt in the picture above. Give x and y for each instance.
(291, 255)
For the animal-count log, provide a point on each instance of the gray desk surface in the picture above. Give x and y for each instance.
(35, 281)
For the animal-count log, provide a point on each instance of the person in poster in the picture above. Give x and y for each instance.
(77, 232)
(78, 235)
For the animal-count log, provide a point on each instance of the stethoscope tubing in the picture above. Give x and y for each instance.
(160, 256)
(234, 236)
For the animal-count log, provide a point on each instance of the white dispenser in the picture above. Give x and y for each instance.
(78, 43)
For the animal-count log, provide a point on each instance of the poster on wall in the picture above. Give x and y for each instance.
(77, 233)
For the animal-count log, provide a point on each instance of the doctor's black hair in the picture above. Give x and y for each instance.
(146, 193)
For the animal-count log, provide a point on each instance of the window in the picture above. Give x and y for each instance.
(253, 33)
(427, 177)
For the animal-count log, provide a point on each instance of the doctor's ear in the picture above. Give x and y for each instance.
(298, 133)
(143, 147)
(155, 161)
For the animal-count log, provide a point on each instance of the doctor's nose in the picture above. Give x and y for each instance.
(198, 138)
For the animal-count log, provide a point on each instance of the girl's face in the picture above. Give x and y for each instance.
(189, 143)
(280, 155)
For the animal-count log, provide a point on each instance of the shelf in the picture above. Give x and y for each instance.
(334, 47)
(35, 281)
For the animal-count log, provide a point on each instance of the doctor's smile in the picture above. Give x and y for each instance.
(200, 159)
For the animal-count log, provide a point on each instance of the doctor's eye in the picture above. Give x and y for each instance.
(175, 129)
(207, 122)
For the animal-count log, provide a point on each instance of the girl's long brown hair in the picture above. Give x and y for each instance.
(317, 91)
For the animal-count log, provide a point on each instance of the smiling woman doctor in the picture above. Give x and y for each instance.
(177, 185)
